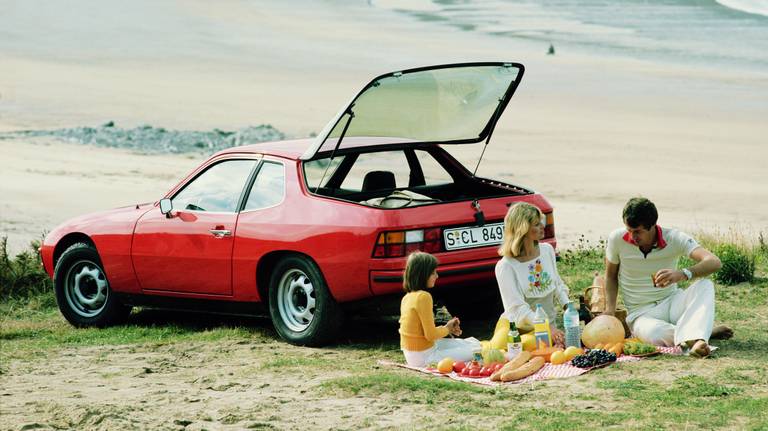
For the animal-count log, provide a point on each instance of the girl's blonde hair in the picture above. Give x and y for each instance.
(419, 267)
(518, 221)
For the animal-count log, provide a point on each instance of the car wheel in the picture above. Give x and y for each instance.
(82, 289)
(302, 309)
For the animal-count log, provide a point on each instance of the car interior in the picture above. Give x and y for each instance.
(399, 178)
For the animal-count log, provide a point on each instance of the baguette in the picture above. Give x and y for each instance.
(515, 363)
(526, 370)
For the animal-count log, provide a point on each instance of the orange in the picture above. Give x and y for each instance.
(445, 366)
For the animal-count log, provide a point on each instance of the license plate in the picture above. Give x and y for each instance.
(469, 237)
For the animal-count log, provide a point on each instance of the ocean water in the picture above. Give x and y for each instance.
(707, 33)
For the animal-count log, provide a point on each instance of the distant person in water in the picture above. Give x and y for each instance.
(641, 260)
(421, 341)
(551, 50)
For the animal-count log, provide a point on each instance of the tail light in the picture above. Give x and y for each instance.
(404, 242)
(549, 228)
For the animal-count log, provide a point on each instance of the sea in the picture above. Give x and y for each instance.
(729, 34)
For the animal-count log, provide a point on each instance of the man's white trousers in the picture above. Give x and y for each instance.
(684, 316)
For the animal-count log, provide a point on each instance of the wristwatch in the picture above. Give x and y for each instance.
(688, 273)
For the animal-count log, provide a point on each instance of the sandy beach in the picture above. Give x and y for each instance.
(586, 130)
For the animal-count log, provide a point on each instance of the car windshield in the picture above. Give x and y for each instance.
(447, 105)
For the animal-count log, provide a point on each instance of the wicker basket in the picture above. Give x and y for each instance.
(596, 300)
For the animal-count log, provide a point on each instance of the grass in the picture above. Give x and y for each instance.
(727, 391)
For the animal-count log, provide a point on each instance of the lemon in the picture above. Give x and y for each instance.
(572, 352)
(557, 358)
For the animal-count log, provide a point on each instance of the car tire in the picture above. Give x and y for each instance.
(301, 306)
(82, 289)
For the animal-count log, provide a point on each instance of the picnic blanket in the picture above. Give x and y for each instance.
(548, 371)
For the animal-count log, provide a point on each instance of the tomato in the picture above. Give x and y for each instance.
(484, 371)
(474, 372)
(497, 367)
(459, 366)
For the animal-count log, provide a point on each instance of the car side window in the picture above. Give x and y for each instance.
(268, 188)
(217, 189)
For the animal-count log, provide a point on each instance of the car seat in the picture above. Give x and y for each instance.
(378, 180)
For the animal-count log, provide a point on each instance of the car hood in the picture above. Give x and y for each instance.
(445, 104)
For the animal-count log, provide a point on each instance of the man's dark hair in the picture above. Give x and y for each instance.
(640, 212)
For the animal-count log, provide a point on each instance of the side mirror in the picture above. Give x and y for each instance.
(166, 206)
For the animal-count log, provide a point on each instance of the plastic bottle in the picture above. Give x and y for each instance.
(541, 329)
(514, 342)
(572, 326)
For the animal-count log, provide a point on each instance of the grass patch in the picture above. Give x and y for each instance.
(22, 276)
(728, 391)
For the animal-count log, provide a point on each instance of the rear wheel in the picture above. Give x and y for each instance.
(302, 309)
(82, 289)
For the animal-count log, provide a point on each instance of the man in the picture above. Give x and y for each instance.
(640, 262)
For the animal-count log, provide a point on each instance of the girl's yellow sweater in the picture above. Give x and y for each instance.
(417, 322)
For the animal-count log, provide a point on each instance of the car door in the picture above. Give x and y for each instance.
(190, 251)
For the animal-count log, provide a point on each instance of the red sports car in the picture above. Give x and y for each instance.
(310, 227)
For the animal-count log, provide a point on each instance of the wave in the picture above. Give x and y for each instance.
(757, 7)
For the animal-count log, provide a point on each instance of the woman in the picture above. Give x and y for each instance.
(527, 272)
(423, 343)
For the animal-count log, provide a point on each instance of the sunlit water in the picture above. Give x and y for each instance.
(709, 33)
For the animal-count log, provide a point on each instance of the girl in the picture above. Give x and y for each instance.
(527, 272)
(423, 343)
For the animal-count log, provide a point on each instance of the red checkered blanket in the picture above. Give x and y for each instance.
(548, 371)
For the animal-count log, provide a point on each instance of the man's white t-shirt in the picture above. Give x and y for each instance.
(636, 270)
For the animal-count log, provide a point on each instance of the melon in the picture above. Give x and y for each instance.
(603, 329)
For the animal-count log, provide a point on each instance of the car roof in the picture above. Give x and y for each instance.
(289, 149)
(294, 148)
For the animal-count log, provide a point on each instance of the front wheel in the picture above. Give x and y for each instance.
(82, 290)
(302, 309)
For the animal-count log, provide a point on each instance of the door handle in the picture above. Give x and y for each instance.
(220, 233)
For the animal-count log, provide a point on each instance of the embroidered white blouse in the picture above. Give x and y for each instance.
(524, 284)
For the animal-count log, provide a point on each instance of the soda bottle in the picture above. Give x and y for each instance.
(572, 326)
(514, 342)
(541, 329)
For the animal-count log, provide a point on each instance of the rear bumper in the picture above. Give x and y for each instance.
(451, 275)
(475, 267)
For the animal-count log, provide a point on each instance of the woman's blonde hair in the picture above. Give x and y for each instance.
(518, 221)
(419, 267)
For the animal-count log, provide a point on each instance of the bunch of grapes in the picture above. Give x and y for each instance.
(593, 358)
